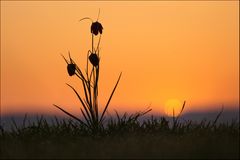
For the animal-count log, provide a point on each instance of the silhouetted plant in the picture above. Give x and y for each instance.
(89, 79)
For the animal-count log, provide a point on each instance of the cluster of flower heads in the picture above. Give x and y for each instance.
(96, 28)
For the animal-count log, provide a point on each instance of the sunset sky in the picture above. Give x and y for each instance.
(165, 50)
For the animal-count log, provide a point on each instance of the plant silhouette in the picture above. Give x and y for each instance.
(89, 79)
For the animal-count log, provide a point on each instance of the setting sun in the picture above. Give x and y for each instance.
(172, 107)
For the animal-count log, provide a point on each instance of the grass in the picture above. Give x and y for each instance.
(122, 137)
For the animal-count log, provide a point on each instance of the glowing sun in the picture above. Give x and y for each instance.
(172, 107)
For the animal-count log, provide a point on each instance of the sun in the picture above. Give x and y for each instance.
(172, 107)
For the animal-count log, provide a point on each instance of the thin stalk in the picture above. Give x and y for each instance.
(96, 91)
(94, 97)
(89, 91)
(97, 50)
(85, 92)
(92, 43)
(87, 62)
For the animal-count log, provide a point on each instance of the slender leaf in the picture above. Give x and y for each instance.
(87, 120)
(65, 59)
(70, 114)
(110, 97)
(80, 99)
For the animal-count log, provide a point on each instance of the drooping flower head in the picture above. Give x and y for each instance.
(71, 69)
(94, 59)
(96, 28)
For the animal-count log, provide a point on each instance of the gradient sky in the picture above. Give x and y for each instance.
(166, 50)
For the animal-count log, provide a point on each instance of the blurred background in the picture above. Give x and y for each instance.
(167, 52)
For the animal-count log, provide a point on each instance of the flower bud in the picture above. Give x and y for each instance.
(71, 69)
(94, 59)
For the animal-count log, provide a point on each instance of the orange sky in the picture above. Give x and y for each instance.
(166, 50)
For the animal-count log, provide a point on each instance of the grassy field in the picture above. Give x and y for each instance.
(123, 137)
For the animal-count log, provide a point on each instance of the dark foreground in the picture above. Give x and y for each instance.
(123, 139)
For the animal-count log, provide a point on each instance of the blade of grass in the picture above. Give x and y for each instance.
(218, 115)
(183, 106)
(39, 121)
(24, 120)
(15, 125)
(184, 103)
(118, 117)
